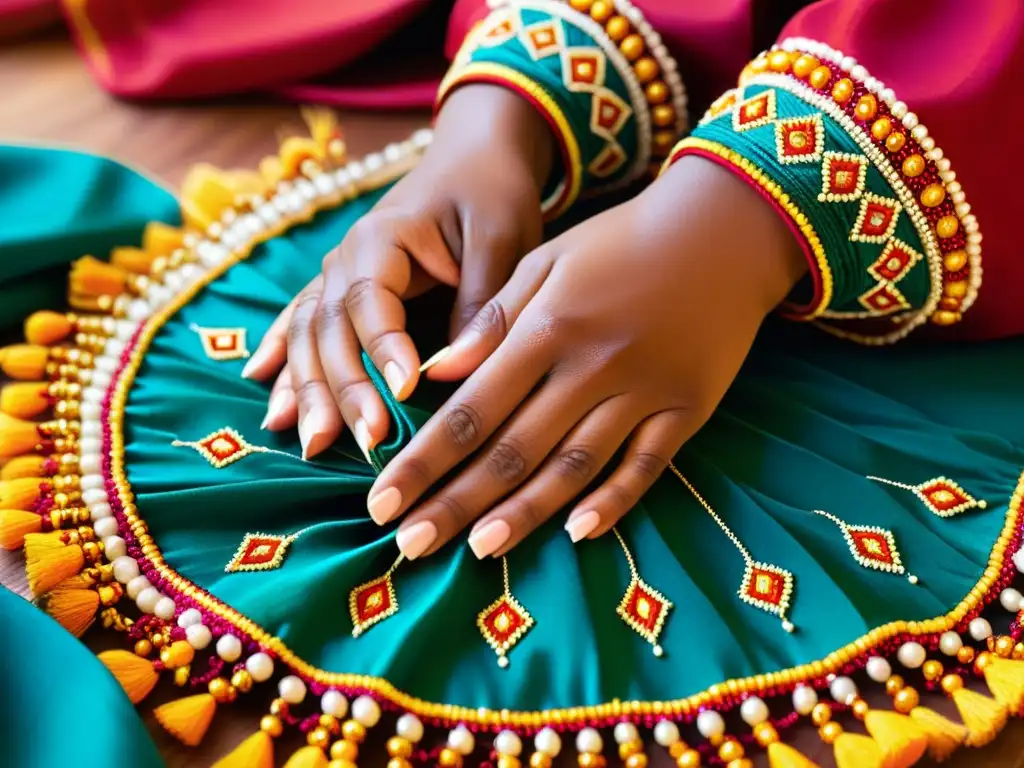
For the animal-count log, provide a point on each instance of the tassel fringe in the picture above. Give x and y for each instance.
(22, 493)
(781, 755)
(73, 608)
(24, 400)
(92, 277)
(48, 561)
(901, 740)
(17, 437)
(187, 719)
(162, 239)
(1005, 678)
(15, 525)
(25, 362)
(135, 674)
(944, 736)
(135, 260)
(851, 750)
(257, 751)
(47, 328)
(23, 466)
(983, 717)
(307, 757)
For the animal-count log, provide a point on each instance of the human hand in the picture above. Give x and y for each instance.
(626, 330)
(463, 217)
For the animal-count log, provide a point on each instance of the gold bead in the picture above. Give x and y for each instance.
(932, 670)
(933, 195)
(913, 165)
(507, 761)
(664, 141)
(617, 28)
(663, 115)
(646, 69)
(906, 700)
(630, 748)
(677, 749)
(588, 760)
(981, 661)
(804, 65)
(689, 759)
(449, 758)
(583, 6)
(143, 648)
(330, 723)
(954, 261)
(601, 11)
(399, 747)
(867, 107)
(344, 750)
(951, 683)
(947, 226)
(318, 737)
(957, 290)
(181, 675)
(540, 760)
(632, 47)
(242, 680)
(271, 725)
(965, 655)
(1018, 652)
(830, 732)
(353, 731)
(894, 141)
(819, 77)
(730, 750)
(639, 760)
(778, 61)
(223, 691)
(893, 685)
(341, 764)
(158, 641)
(177, 654)
(765, 734)
(945, 317)
(860, 709)
(842, 91)
(401, 762)
(740, 763)
(656, 92)
(821, 713)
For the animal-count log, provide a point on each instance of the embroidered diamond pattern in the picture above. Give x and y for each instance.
(884, 299)
(259, 552)
(607, 161)
(754, 112)
(584, 69)
(842, 177)
(769, 588)
(371, 602)
(800, 139)
(222, 343)
(542, 39)
(644, 609)
(500, 31)
(503, 623)
(723, 103)
(221, 448)
(896, 260)
(945, 498)
(608, 113)
(873, 547)
(876, 219)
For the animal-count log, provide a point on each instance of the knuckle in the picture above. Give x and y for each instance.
(457, 514)
(530, 515)
(620, 496)
(309, 390)
(329, 313)
(359, 290)
(490, 319)
(376, 345)
(649, 465)
(576, 463)
(417, 470)
(464, 425)
(506, 460)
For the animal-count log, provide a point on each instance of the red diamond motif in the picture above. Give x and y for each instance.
(500, 30)
(608, 161)
(871, 545)
(608, 114)
(943, 495)
(644, 609)
(371, 602)
(769, 588)
(222, 343)
(800, 139)
(766, 586)
(585, 69)
(895, 261)
(259, 552)
(502, 623)
(222, 445)
(883, 299)
(542, 39)
(843, 177)
(754, 112)
(876, 219)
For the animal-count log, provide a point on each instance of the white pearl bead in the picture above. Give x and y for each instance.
(548, 741)
(666, 733)
(950, 643)
(136, 586)
(804, 699)
(624, 733)
(421, 140)
(1011, 599)
(461, 740)
(980, 629)
(90, 445)
(229, 648)
(366, 711)
(392, 154)
(1018, 559)
(878, 669)
(260, 666)
(114, 547)
(324, 183)
(754, 711)
(99, 511)
(189, 617)
(125, 568)
(292, 689)
(355, 170)
(373, 162)
(909, 120)
(94, 496)
(199, 636)
(164, 608)
(888, 95)
(899, 110)
(847, 63)
(710, 724)
(589, 742)
(508, 743)
(89, 463)
(843, 689)
(105, 527)
(409, 727)
(911, 655)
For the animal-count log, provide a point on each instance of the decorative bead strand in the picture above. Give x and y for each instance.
(547, 745)
(666, 734)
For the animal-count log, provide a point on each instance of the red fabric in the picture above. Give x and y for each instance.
(23, 17)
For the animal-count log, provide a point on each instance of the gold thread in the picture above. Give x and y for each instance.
(635, 609)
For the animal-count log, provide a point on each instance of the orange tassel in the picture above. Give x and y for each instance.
(187, 719)
(1005, 678)
(944, 736)
(22, 493)
(26, 362)
(47, 328)
(135, 674)
(851, 750)
(23, 466)
(307, 757)
(48, 561)
(323, 127)
(24, 400)
(205, 194)
(271, 170)
(92, 277)
(295, 150)
(15, 524)
(17, 437)
(902, 741)
(133, 260)
(983, 717)
(74, 608)
(257, 751)
(162, 239)
(782, 755)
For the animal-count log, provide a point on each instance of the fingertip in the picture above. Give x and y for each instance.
(581, 524)
(315, 433)
(399, 380)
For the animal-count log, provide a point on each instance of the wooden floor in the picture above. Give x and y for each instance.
(47, 97)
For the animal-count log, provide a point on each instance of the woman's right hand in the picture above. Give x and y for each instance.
(463, 217)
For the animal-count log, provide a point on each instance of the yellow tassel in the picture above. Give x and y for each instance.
(25, 361)
(295, 150)
(851, 750)
(74, 608)
(132, 260)
(15, 524)
(782, 755)
(307, 757)
(92, 277)
(22, 493)
(23, 466)
(135, 674)
(17, 437)
(902, 741)
(47, 328)
(187, 719)
(944, 736)
(257, 751)
(24, 400)
(48, 561)
(208, 191)
(323, 125)
(984, 717)
(1005, 678)
(162, 239)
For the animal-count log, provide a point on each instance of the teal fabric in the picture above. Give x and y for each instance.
(833, 221)
(58, 206)
(58, 697)
(804, 423)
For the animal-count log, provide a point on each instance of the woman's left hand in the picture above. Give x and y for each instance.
(626, 330)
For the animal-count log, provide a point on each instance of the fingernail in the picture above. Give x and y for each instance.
(414, 540)
(253, 363)
(395, 377)
(275, 408)
(384, 505)
(581, 526)
(487, 540)
(363, 438)
(435, 358)
(310, 427)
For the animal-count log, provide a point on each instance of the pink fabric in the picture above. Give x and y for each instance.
(24, 17)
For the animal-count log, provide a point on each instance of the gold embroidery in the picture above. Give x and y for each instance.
(260, 552)
(940, 495)
(642, 607)
(373, 601)
(505, 621)
(222, 343)
(871, 546)
(225, 446)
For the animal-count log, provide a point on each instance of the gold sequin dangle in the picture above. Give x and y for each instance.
(222, 343)
(225, 446)
(260, 552)
(940, 495)
(642, 607)
(505, 621)
(764, 585)
(373, 601)
(871, 546)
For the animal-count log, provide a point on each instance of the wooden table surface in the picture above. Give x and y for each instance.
(48, 97)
